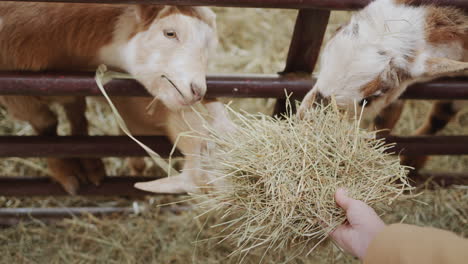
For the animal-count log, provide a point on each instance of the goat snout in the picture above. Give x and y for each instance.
(320, 99)
(198, 91)
(310, 100)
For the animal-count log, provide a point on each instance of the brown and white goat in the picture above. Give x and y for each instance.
(166, 48)
(387, 46)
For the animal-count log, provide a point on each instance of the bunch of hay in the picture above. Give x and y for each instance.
(276, 178)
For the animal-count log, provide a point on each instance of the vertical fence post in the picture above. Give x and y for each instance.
(304, 50)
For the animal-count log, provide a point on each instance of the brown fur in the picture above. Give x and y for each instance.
(67, 36)
(388, 118)
(404, 2)
(184, 10)
(148, 14)
(74, 34)
(445, 25)
(372, 87)
(441, 114)
(392, 75)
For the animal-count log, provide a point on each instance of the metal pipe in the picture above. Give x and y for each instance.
(304, 49)
(429, 145)
(237, 86)
(123, 186)
(44, 186)
(13, 216)
(294, 4)
(435, 180)
(122, 146)
(80, 146)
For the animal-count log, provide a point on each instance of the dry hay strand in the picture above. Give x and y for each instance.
(276, 178)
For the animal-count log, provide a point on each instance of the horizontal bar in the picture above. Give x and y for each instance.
(443, 89)
(83, 84)
(61, 212)
(317, 4)
(433, 180)
(258, 86)
(13, 216)
(122, 146)
(240, 86)
(429, 145)
(44, 186)
(123, 186)
(80, 146)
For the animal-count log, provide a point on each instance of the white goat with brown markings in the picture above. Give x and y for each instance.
(165, 48)
(383, 49)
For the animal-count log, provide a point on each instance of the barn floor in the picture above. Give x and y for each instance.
(252, 41)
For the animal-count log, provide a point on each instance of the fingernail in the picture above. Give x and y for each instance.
(343, 190)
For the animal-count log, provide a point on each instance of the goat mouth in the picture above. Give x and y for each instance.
(175, 86)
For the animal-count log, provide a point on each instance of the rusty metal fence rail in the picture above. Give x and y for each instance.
(309, 32)
(286, 4)
(232, 86)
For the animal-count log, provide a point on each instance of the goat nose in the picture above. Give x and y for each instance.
(197, 92)
(319, 98)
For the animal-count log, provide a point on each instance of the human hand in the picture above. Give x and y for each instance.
(362, 226)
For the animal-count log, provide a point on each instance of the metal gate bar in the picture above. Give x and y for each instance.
(309, 31)
(81, 146)
(236, 86)
(123, 186)
(44, 186)
(122, 146)
(13, 216)
(285, 4)
(429, 145)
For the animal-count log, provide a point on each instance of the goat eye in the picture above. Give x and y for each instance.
(171, 34)
(367, 101)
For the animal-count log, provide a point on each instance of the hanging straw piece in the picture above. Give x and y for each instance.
(103, 76)
(280, 175)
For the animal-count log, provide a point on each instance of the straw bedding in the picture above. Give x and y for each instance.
(255, 45)
(156, 237)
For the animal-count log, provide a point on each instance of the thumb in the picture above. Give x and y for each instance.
(342, 199)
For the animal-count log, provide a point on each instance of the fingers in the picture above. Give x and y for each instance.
(337, 234)
(342, 237)
(342, 199)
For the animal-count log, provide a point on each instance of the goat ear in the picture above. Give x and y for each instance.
(146, 13)
(173, 184)
(207, 15)
(440, 67)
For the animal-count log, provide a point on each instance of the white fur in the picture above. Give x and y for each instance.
(387, 42)
(449, 50)
(149, 55)
(115, 53)
(386, 33)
